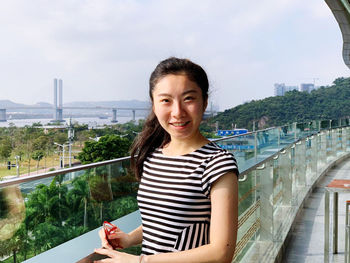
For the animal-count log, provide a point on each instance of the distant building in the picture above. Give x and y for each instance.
(307, 87)
(290, 88)
(280, 89)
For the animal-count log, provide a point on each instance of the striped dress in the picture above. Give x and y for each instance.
(174, 197)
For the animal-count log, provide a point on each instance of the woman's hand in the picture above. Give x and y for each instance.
(116, 256)
(118, 239)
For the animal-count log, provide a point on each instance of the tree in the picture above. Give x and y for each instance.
(40, 143)
(107, 148)
(79, 196)
(37, 156)
(5, 148)
(324, 103)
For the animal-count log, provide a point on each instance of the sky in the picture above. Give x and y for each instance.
(106, 49)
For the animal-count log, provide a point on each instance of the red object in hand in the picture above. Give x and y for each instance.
(109, 230)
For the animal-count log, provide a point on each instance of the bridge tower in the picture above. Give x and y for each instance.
(114, 115)
(2, 115)
(58, 109)
(133, 115)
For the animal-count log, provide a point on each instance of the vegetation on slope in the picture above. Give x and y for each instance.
(329, 102)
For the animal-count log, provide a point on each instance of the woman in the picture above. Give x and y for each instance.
(188, 190)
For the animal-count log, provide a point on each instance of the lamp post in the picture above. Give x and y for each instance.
(70, 140)
(62, 160)
(17, 164)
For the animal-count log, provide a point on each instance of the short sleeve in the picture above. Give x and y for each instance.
(220, 164)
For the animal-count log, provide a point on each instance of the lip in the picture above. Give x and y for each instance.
(179, 122)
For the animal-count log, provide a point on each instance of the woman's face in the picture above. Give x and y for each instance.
(179, 106)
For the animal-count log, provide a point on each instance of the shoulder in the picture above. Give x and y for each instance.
(216, 152)
(219, 159)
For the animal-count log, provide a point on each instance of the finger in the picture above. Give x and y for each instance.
(106, 260)
(104, 241)
(102, 233)
(116, 235)
(107, 252)
(107, 245)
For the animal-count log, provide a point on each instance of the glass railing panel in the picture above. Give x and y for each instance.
(312, 151)
(285, 169)
(348, 139)
(343, 122)
(314, 127)
(277, 183)
(347, 121)
(278, 210)
(264, 175)
(283, 209)
(268, 239)
(293, 174)
(59, 208)
(334, 123)
(243, 148)
(345, 132)
(325, 124)
(322, 150)
(335, 136)
(249, 221)
(267, 143)
(286, 135)
(314, 156)
(329, 149)
(300, 169)
(303, 129)
(298, 128)
(344, 139)
(340, 148)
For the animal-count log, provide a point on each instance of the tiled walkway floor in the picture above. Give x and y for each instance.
(306, 244)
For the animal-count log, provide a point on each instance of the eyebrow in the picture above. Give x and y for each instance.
(183, 94)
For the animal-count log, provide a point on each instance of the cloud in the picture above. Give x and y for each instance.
(106, 49)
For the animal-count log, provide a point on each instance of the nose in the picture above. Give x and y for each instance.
(178, 110)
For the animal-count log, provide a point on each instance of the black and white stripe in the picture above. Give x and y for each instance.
(174, 197)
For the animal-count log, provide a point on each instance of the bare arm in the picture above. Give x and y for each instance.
(123, 239)
(223, 228)
(135, 236)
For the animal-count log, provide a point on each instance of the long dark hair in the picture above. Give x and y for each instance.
(153, 135)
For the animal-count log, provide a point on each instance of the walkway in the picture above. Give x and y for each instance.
(306, 244)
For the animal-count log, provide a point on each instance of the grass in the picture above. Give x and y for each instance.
(45, 165)
(51, 161)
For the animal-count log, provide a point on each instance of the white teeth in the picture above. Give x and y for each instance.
(179, 124)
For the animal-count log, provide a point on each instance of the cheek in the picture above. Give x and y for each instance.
(159, 112)
(198, 109)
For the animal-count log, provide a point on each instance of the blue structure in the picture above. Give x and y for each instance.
(231, 132)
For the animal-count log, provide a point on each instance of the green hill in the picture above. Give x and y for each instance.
(328, 102)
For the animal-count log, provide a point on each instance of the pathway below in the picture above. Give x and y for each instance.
(307, 239)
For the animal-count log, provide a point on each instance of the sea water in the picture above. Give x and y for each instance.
(90, 121)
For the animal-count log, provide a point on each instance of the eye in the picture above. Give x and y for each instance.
(164, 100)
(189, 98)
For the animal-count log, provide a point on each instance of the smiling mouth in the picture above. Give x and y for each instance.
(180, 124)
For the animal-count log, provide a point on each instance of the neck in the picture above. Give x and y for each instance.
(184, 146)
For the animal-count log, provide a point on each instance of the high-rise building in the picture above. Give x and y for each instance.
(306, 87)
(280, 89)
(290, 88)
